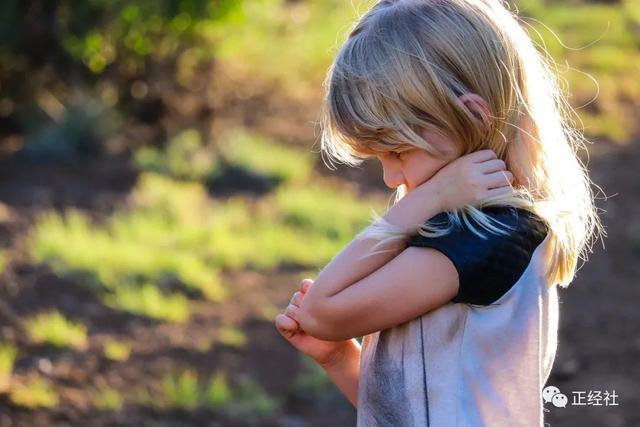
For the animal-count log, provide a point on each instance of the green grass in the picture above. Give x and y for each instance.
(3, 260)
(117, 350)
(596, 39)
(185, 157)
(232, 336)
(8, 353)
(53, 328)
(254, 38)
(218, 393)
(148, 300)
(33, 393)
(174, 230)
(181, 391)
(107, 398)
(268, 157)
(170, 243)
(185, 390)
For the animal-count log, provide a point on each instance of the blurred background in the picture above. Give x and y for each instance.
(162, 194)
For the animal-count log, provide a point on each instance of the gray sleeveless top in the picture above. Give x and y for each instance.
(483, 358)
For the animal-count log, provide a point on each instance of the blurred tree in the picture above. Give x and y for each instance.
(55, 54)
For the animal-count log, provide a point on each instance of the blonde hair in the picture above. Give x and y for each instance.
(403, 67)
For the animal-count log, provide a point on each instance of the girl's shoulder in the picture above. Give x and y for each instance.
(489, 264)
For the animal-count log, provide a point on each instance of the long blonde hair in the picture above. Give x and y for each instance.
(403, 67)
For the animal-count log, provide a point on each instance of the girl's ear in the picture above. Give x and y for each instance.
(478, 107)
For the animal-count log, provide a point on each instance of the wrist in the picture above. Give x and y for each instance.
(343, 352)
(417, 206)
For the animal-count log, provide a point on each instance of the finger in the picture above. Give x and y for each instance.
(493, 165)
(292, 311)
(499, 179)
(296, 299)
(286, 325)
(285, 322)
(498, 191)
(305, 285)
(482, 156)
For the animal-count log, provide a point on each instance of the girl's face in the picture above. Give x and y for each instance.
(416, 166)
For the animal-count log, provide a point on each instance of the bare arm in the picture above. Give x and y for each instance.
(353, 297)
(344, 370)
(347, 268)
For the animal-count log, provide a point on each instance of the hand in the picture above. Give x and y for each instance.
(471, 179)
(324, 353)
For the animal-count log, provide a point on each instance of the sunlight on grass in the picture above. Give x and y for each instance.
(3, 260)
(185, 391)
(185, 157)
(8, 353)
(147, 300)
(33, 393)
(218, 393)
(159, 238)
(172, 241)
(597, 40)
(231, 336)
(301, 225)
(595, 35)
(107, 398)
(181, 391)
(117, 350)
(324, 211)
(253, 39)
(53, 328)
(258, 154)
(174, 230)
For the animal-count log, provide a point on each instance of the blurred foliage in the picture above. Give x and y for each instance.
(597, 48)
(218, 392)
(33, 392)
(53, 328)
(107, 52)
(313, 380)
(148, 300)
(232, 336)
(3, 260)
(8, 353)
(264, 156)
(181, 391)
(173, 234)
(184, 390)
(117, 350)
(292, 42)
(138, 61)
(107, 398)
(184, 157)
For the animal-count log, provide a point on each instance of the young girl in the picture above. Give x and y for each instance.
(454, 289)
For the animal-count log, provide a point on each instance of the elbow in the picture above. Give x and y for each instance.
(317, 321)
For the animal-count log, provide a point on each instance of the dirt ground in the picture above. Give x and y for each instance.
(599, 338)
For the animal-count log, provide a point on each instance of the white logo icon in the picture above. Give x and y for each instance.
(552, 394)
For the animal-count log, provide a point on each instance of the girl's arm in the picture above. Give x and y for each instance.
(353, 297)
(344, 370)
(347, 268)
